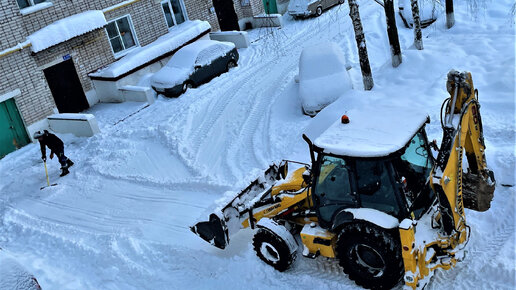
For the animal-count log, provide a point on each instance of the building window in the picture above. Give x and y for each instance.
(175, 12)
(26, 3)
(245, 3)
(121, 35)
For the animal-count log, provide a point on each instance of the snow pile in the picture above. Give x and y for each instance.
(322, 76)
(177, 36)
(66, 29)
(14, 276)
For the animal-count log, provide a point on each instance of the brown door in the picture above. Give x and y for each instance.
(66, 87)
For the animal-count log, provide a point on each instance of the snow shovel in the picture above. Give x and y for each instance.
(48, 182)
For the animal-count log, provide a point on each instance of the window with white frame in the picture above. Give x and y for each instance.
(26, 3)
(175, 12)
(121, 34)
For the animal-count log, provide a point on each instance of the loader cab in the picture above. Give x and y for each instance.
(389, 176)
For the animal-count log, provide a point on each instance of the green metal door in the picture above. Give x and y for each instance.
(270, 6)
(12, 131)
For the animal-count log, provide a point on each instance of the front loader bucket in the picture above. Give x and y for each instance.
(228, 220)
(477, 192)
(213, 231)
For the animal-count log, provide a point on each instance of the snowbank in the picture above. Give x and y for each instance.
(14, 276)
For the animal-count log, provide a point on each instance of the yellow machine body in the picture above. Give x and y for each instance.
(434, 240)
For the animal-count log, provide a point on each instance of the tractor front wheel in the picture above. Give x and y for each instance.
(273, 250)
(370, 255)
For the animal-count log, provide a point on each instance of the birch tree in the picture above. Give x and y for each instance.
(392, 33)
(450, 18)
(367, 77)
(418, 35)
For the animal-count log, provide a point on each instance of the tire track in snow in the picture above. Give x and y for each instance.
(257, 107)
(483, 247)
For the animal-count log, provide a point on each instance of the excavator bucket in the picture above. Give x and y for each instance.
(221, 225)
(477, 191)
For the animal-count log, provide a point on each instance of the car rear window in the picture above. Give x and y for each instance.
(207, 55)
(321, 60)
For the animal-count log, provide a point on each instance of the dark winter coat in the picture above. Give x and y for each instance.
(52, 142)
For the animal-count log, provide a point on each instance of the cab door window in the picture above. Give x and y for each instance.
(333, 189)
(375, 187)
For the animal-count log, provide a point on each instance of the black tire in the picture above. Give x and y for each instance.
(342, 1)
(318, 11)
(370, 255)
(186, 86)
(273, 250)
(231, 64)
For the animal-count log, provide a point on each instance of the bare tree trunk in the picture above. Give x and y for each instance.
(392, 32)
(450, 18)
(367, 77)
(418, 35)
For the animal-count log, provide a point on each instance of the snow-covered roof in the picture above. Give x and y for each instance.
(177, 36)
(66, 29)
(371, 132)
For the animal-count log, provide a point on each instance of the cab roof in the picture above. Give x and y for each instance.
(371, 132)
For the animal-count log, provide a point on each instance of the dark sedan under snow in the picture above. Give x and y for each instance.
(193, 65)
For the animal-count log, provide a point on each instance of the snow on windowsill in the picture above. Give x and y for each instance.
(123, 53)
(71, 116)
(36, 8)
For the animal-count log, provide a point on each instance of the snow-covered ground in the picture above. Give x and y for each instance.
(121, 219)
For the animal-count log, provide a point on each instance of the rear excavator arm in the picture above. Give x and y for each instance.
(462, 132)
(456, 189)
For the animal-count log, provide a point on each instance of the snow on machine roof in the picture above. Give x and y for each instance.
(371, 132)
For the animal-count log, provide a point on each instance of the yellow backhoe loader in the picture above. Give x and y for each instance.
(374, 196)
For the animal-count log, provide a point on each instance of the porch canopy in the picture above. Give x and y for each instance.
(66, 29)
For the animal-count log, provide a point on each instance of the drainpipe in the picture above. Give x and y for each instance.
(18, 47)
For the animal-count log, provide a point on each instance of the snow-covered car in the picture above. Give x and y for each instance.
(14, 276)
(323, 77)
(305, 8)
(193, 65)
(428, 11)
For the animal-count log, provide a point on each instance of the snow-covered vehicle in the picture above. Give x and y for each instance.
(374, 197)
(428, 11)
(14, 276)
(305, 8)
(323, 77)
(193, 65)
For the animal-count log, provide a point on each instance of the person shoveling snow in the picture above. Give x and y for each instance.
(56, 146)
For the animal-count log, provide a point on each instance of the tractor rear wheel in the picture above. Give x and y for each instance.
(370, 255)
(273, 250)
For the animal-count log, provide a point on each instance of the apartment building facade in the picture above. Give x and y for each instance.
(48, 48)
